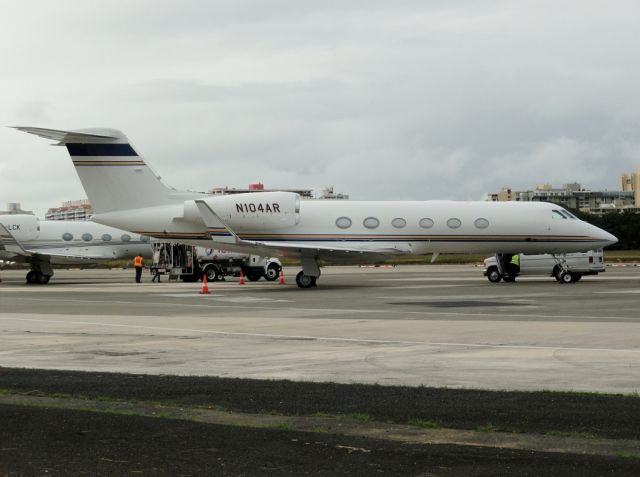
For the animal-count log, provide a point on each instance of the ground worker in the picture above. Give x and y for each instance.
(137, 263)
(515, 265)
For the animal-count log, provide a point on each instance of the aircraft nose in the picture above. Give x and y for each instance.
(606, 237)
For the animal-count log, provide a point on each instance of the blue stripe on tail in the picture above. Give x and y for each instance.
(100, 150)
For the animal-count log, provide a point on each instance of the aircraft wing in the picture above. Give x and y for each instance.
(11, 249)
(299, 248)
(63, 137)
(9, 246)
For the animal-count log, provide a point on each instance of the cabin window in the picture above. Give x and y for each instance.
(399, 223)
(343, 222)
(67, 237)
(144, 239)
(126, 238)
(87, 237)
(426, 223)
(454, 223)
(481, 223)
(106, 238)
(371, 223)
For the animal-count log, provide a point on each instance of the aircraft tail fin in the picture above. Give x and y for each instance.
(112, 173)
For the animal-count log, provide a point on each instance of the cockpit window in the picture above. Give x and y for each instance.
(557, 212)
(571, 216)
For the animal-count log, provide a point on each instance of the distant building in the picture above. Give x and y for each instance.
(14, 208)
(631, 183)
(328, 193)
(71, 210)
(259, 187)
(573, 196)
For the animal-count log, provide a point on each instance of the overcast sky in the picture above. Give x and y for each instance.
(381, 99)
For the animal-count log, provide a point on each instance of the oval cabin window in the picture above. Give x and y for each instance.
(126, 237)
(399, 223)
(426, 223)
(67, 237)
(481, 223)
(371, 223)
(454, 223)
(106, 238)
(343, 222)
(87, 237)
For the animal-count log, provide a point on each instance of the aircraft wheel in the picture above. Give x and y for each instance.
(493, 275)
(31, 277)
(557, 274)
(272, 273)
(43, 279)
(305, 281)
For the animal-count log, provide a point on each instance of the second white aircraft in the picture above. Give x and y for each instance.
(126, 193)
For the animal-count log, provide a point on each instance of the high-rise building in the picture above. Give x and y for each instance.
(71, 210)
(631, 183)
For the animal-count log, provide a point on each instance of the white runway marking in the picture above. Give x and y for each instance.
(235, 299)
(618, 292)
(317, 338)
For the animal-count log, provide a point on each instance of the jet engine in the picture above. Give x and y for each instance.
(257, 210)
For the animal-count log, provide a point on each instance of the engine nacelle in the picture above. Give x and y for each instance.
(257, 210)
(23, 227)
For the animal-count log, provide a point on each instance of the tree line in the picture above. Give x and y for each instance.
(625, 226)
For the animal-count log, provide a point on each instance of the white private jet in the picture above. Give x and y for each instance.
(43, 243)
(126, 193)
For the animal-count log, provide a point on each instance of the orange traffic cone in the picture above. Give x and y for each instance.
(205, 288)
(281, 277)
(241, 278)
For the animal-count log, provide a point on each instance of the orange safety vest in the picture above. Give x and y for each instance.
(137, 262)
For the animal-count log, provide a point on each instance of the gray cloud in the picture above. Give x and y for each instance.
(384, 100)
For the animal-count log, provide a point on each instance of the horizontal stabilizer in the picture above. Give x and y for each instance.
(64, 137)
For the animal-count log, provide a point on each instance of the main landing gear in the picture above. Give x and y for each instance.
(561, 271)
(40, 273)
(504, 269)
(309, 274)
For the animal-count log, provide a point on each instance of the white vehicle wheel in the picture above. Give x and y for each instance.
(272, 273)
(493, 275)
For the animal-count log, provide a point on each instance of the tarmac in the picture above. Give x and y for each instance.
(432, 325)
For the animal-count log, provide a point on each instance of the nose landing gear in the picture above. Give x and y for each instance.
(561, 272)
